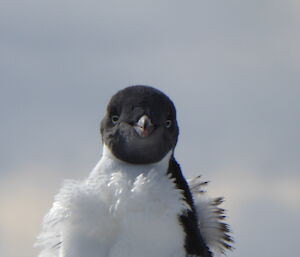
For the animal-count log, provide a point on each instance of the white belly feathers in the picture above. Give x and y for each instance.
(121, 210)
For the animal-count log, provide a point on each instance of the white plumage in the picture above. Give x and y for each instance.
(122, 210)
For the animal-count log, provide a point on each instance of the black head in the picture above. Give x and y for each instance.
(140, 125)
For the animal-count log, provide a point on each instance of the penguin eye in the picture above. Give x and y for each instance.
(168, 123)
(114, 119)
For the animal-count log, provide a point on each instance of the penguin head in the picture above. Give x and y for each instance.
(140, 125)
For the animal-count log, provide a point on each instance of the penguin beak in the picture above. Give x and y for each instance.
(144, 126)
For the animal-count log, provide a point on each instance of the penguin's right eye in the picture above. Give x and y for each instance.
(115, 119)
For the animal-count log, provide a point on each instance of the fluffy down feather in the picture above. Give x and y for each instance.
(211, 216)
(106, 215)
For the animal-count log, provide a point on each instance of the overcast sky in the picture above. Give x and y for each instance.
(231, 67)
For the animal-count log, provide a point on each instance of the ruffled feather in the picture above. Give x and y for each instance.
(211, 218)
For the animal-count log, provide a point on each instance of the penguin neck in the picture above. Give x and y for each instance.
(109, 162)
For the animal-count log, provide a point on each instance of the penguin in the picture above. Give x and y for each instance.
(136, 202)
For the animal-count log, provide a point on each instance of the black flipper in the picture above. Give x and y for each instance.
(194, 243)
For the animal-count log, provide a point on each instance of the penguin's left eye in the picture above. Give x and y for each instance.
(115, 119)
(168, 123)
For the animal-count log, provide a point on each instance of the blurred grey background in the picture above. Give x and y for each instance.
(231, 67)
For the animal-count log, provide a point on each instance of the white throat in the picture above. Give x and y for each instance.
(109, 163)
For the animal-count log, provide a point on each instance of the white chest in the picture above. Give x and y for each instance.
(125, 211)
